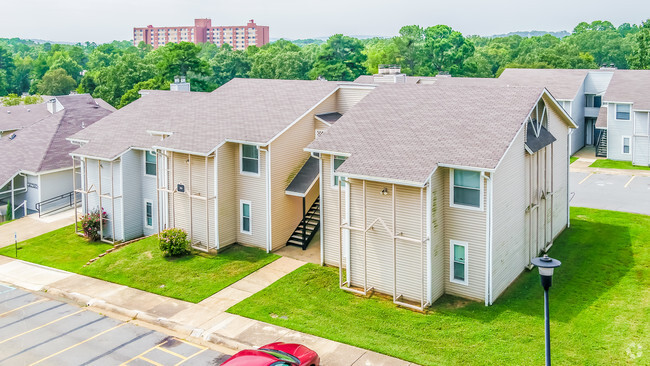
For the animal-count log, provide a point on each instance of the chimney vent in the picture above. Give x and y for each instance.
(180, 84)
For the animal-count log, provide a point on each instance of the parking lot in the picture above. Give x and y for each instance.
(35, 330)
(627, 193)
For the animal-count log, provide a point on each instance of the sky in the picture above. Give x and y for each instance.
(108, 20)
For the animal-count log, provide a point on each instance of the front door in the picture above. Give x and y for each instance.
(589, 131)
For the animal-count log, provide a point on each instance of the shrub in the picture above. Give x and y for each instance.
(174, 242)
(10, 212)
(90, 224)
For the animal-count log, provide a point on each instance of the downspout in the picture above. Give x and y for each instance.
(216, 199)
(322, 210)
(429, 237)
(488, 241)
(269, 241)
(568, 190)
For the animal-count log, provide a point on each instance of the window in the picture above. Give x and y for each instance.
(245, 224)
(148, 214)
(338, 160)
(466, 188)
(250, 162)
(598, 101)
(150, 163)
(458, 262)
(626, 144)
(623, 112)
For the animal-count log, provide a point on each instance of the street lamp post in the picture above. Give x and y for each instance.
(546, 266)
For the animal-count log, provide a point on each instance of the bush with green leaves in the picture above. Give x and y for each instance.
(91, 224)
(174, 243)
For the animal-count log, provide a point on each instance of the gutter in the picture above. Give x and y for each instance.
(488, 241)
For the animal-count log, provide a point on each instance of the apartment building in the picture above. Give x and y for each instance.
(238, 37)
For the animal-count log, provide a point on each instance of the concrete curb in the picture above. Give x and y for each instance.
(84, 300)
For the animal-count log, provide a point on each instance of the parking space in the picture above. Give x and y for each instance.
(35, 330)
(628, 193)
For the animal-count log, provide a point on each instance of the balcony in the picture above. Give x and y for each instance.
(592, 112)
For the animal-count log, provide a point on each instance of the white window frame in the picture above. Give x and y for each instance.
(241, 161)
(241, 217)
(464, 244)
(616, 112)
(623, 145)
(145, 163)
(451, 192)
(333, 180)
(148, 201)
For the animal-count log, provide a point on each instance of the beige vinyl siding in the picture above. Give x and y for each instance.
(114, 216)
(465, 225)
(437, 234)
(287, 157)
(329, 214)
(195, 218)
(560, 130)
(253, 189)
(348, 97)
(228, 205)
(509, 250)
(319, 125)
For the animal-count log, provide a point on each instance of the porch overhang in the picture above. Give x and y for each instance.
(305, 179)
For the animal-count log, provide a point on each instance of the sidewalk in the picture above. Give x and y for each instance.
(32, 226)
(582, 166)
(207, 319)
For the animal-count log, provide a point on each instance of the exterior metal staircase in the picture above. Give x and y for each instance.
(601, 144)
(308, 226)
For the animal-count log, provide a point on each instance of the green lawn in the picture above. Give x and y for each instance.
(141, 265)
(600, 306)
(573, 158)
(615, 164)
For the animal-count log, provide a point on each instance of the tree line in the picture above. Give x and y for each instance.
(117, 71)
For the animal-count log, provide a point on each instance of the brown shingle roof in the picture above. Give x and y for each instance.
(251, 110)
(42, 146)
(561, 83)
(403, 132)
(21, 116)
(630, 86)
(601, 121)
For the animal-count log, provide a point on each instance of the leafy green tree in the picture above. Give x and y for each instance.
(114, 80)
(56, 82)
(32, 99)
(279, 60)
(602, 41)
(180, 58)
(134, 93)
(22, 74)
(341, 58)
(61, 60)
(7, 66)
(4, 84)
(10, 100)
(640, 58)
(228, 64)
(409, 45)
(381, 51)
(445, 49)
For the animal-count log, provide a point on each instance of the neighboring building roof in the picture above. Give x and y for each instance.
(305, 178)
(330, 117)
(630, 86)
(246, 110)
(563, 84)
(42, 146)
(601, 121)
(21, 116)
(403, 132)
(370, 79)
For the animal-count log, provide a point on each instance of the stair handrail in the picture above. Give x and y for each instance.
(304, 223)
(68, 195)
(23, 205)
(600, 140)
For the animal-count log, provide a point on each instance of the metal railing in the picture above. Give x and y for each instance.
(67, 200)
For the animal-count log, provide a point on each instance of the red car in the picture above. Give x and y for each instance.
(275, 354)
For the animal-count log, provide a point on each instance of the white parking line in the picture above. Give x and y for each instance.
(582, 181)
(630, 181)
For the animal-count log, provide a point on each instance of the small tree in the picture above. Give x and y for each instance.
(9, 215)
(174, 242)
(91, 224)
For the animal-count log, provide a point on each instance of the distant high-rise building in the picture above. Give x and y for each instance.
(238, 36)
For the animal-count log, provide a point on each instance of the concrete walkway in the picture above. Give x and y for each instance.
(32, 226)
(207, 319)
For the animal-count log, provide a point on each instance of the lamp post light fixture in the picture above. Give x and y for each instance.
(546, 265)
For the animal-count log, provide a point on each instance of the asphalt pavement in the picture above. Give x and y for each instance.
(628, 193)
(35, 330)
